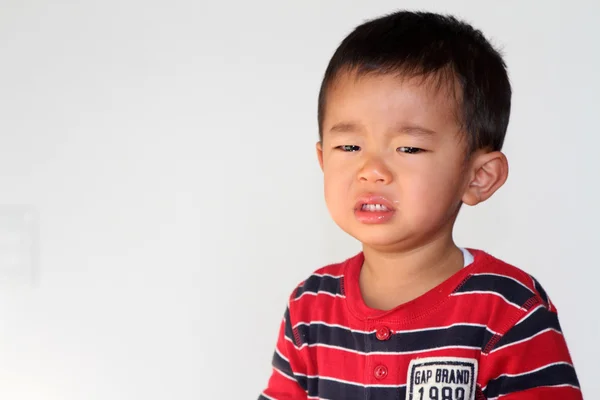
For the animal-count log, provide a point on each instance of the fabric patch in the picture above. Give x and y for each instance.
(442, 378)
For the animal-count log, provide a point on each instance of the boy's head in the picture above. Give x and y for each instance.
(413, 110)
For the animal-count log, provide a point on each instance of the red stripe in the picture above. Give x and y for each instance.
(282, 388)
(562, 393)
(359, 368)
(541, 350)
(478, 309)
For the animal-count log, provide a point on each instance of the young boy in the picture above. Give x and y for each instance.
(413, 111)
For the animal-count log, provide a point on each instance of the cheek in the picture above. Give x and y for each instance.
(433, 187)
(337, 184)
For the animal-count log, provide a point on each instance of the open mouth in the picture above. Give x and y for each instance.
(374, 207)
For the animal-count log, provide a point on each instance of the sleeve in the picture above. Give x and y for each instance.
(288, 378)
(532, 361)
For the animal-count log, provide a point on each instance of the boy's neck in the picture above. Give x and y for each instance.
(389, 279)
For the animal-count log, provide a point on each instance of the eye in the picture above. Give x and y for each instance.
(409, 150)
(348, 148)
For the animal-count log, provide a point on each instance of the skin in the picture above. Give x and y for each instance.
(399, 137)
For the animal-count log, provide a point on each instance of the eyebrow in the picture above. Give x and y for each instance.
(352, 127)
(344, 127)
(415, 130)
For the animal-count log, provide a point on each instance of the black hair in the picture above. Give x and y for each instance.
(428, 44)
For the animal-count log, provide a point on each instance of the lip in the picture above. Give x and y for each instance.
(373, 199)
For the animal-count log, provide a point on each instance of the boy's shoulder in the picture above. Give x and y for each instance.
(516, 284)
(326, 280)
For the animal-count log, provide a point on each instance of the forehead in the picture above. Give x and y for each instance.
(379, 101)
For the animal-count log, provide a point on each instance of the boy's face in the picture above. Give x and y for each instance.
(394, 142)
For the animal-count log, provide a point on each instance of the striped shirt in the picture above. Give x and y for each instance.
(488, 332)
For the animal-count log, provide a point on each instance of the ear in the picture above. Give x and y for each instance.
(320, 153)
(489, 171)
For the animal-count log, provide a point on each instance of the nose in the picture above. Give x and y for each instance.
(374, 170)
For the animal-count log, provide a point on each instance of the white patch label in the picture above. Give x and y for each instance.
(442, 378)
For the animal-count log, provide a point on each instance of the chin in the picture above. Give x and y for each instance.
(378, 236)
(381, 243)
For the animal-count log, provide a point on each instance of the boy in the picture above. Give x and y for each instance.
(413, 111)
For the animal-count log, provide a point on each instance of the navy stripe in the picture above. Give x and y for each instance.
(540, 290)
(330, 389)
(458, 335)
(316, 284)
(504, 286)
(302, 381)
(387, 392)
(560, 374)
(536, 322)
(282, 365)
(288, 326)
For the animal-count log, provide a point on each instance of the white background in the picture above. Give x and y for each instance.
(166, 151)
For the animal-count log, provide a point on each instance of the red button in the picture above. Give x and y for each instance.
(383, 333)
(380, 372)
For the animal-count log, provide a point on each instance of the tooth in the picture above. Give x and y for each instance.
(374, 207)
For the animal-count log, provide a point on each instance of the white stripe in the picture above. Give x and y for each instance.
(291, 341)
(329, 275)
(383, 353)
(285, 375)
(446, 327)
(350, 382)
(395, 332)
(529, 313)
(488, 292)
(507, 277)
(319, 292)
(562, 385)
(387, 353)
(327, 346)
(533, 282)
(281, 355)
(491, 331)
(538, 287)
(538, 387)
(525, 340)
(534, 370)
(331, 326)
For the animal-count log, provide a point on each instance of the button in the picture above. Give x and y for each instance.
(383, 333)
(380, 372)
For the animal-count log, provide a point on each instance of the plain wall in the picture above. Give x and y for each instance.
(163, 152)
